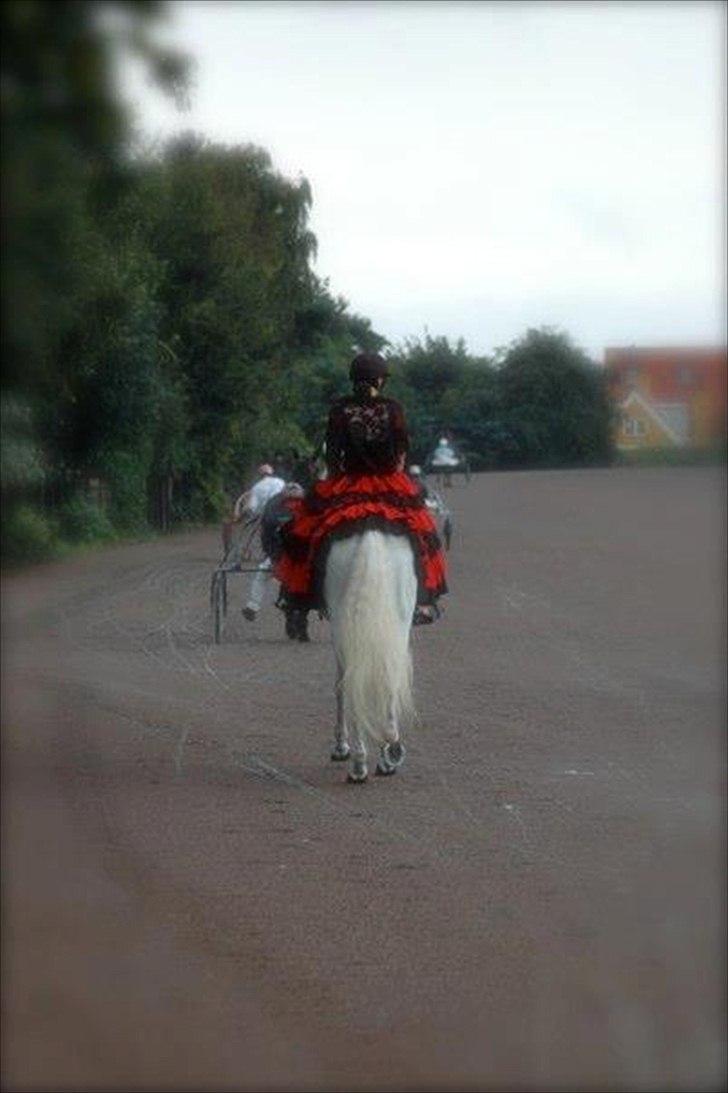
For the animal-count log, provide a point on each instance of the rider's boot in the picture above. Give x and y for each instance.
(291, 624)
(425, 614)
(303, 626)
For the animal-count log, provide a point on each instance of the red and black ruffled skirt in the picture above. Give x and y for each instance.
(349, 505)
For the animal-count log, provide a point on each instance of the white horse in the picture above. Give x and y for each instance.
(370, 589)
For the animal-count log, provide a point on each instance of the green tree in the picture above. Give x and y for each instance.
(64, 131)
(471, 411)
(64, 170)
(427, 374)
(232, 238)
(553, 402)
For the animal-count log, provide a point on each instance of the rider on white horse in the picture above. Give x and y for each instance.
(364, 547)
(366, 488)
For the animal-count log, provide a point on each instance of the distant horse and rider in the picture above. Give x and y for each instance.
(446, 460)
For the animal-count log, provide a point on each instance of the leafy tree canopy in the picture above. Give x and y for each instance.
(163, 325)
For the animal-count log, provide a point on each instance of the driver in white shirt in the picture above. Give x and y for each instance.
(254, 500)
(249, 505)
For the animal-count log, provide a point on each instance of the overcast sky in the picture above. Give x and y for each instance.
(479, 168)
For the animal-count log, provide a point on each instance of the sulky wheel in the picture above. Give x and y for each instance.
(219, 596)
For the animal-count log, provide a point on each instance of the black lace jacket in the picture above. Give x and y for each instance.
(365, 436)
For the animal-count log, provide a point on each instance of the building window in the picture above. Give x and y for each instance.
(631, 377)
(685, 376)
(632, 426)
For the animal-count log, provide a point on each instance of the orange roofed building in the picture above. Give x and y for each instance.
(668, 397)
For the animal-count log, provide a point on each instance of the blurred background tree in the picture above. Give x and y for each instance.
(76, 307)
(63, 158)
(553, 402)
(540, 402)
(163, 327)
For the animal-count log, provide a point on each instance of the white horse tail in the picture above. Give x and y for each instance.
(370, 593)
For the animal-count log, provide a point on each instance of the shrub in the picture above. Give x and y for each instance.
(673, 457)
(82, 521)
(27, 535)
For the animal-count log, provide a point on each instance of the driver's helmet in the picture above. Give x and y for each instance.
(415, 470)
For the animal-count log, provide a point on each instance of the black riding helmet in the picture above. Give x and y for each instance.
(368, 367)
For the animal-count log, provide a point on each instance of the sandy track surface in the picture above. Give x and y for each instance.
(194, 899)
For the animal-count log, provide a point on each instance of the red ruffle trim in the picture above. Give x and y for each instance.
(337, 502)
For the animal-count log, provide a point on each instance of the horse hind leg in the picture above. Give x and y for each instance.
(392, 753)
(358, 770)
(341, 751)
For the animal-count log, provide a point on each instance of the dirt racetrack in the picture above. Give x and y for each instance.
(194, 899)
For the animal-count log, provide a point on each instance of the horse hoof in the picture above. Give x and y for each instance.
(340, 753)
(393, 754)
(356, 780)
(384, 771)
